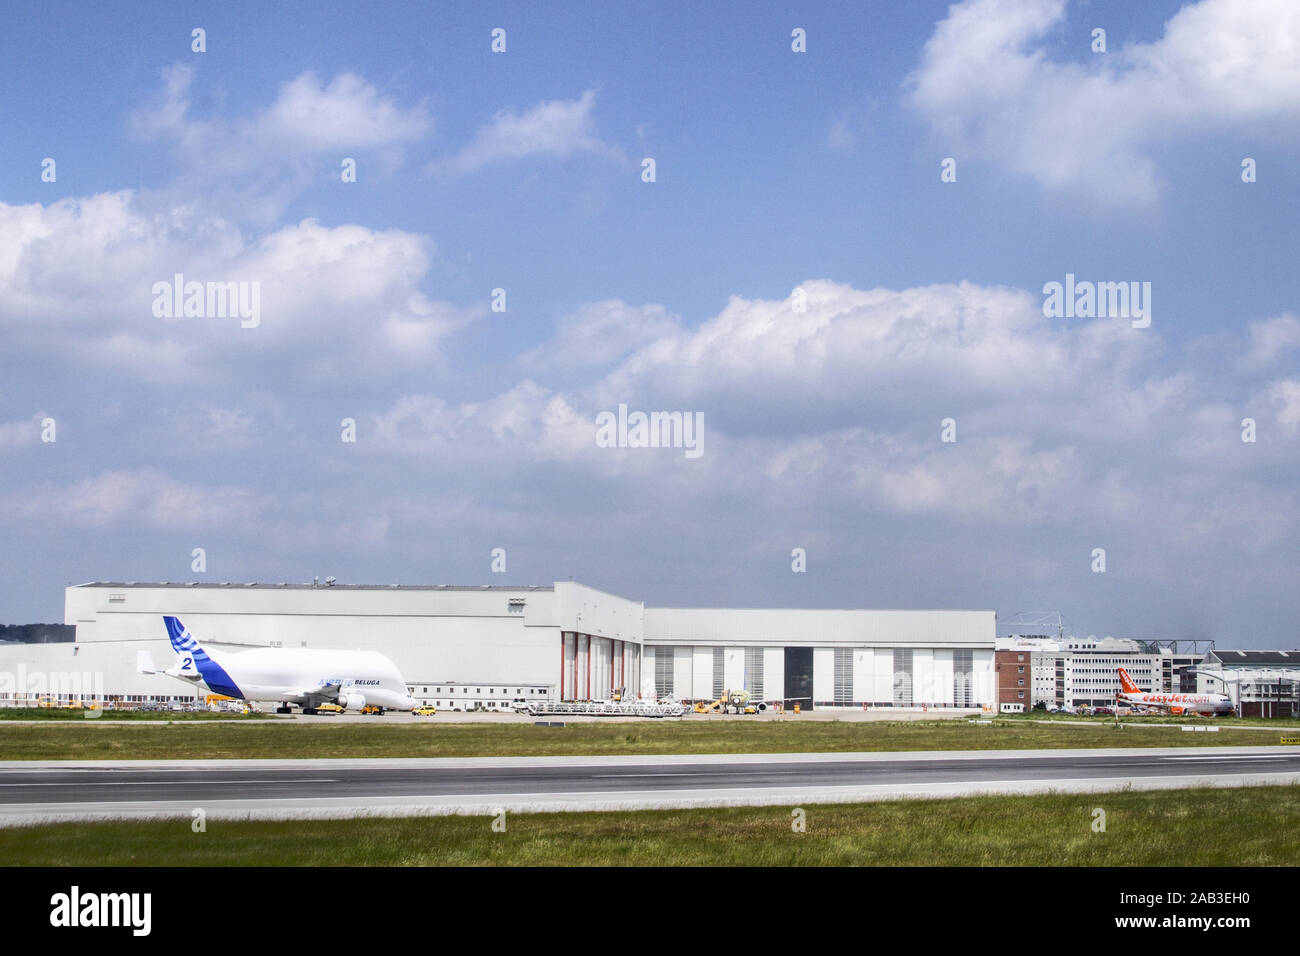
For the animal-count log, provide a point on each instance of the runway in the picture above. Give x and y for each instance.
(53, 791)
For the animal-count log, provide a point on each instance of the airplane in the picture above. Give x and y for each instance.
(1207, 704)
(302, 676)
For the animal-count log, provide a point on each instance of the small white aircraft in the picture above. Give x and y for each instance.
(1208, 704)
(306, 677)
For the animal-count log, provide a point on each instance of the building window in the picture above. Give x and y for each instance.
(962, 677)
(902, 677)
(754, 672)
(843, 675)
(663, 671)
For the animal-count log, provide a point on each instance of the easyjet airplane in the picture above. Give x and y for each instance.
(1208, 704)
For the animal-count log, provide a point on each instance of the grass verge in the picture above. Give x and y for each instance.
(60, 714)
(91, 740)
(1251, 826)
(1289, 726)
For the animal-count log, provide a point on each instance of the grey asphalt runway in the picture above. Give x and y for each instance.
(63, 790)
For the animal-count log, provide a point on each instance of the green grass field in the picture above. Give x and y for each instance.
(93, 740)
(1039, 715)
(60, 713)
(1253, 826)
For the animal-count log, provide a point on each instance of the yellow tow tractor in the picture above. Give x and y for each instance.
(372, 709)
(732, 701)
(328, 709)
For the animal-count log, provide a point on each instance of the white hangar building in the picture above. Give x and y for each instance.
(823, 658)
(457, 646)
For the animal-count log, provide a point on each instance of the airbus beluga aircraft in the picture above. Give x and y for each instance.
(1208, 704)
(302, 676)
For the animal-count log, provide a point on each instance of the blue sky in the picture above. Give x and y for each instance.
(775, 171)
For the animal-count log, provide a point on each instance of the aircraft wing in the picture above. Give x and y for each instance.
(311, 696)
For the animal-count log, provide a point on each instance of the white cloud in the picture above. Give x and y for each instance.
(866, 348)
(78, 275)
(1285, 395)
(990, 90)
(1271, 339)
(528, 422)
(307, 117)
(600, 333)
(252, 166)
(1060, 425)
(139, 497)
(840, 136)
(554, 129)
(346, 113)
(20, 434)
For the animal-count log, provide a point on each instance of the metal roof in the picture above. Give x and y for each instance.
(308, 586)
(1284, 658)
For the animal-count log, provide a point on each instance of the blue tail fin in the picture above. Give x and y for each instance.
(182, 640)
(193, 658)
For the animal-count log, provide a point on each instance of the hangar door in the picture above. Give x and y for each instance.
(799, 676)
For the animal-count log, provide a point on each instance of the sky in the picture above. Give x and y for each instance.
(826, 233)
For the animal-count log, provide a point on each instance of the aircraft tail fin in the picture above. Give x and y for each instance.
(195, 662)
(1127, 683)
(144, 663)
(183, 642)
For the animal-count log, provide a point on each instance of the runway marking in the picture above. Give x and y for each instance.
(154, 783)
(1239, 757)
(702, 773)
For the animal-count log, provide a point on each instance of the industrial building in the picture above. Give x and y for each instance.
(490, 645)
(1078, 672)
(823, 658)
(1260, 683)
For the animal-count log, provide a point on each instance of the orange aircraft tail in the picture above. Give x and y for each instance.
(1127, 683)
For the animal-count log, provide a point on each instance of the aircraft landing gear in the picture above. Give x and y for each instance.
(283, 709)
